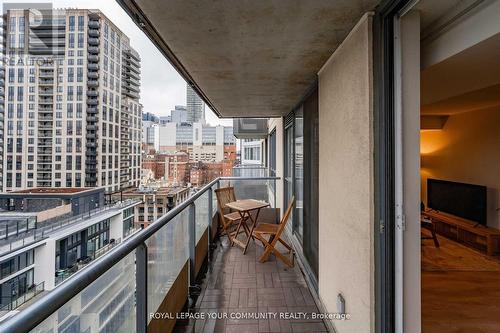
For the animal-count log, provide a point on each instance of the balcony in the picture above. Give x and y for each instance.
(93, 25)
(249, 128)
(16, 301)
(94, 33)
(46, 92)
(62, 275)
(93, 49)
(93, 41)
(92, 110)
(46, 82)
(92, 136)
(92, 93)
(93, 75)
(93, 66)
(92, 83)
(159, 268)
(93, 58)
(27, 234)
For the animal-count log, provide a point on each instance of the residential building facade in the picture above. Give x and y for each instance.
(47, 235)
(72, 113)
(155, 201)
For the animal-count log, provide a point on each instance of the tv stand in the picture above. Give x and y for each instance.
(468, 233)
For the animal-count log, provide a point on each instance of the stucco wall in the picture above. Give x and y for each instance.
(346, 180)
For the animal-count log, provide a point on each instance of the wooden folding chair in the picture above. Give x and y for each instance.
(226, 195)
(274, 232)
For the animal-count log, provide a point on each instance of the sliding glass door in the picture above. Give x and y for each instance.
(301, 176)
(298, 220)
(289, 159)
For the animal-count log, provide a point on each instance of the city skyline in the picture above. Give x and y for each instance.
(163, 87)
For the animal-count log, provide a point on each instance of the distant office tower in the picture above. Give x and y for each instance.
(148, 116)
(73, 117)
(179, 114)
(195, 106)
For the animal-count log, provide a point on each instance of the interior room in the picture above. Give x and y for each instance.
(459, 174)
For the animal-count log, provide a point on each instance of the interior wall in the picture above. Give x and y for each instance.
(466, 150)
(346, 249)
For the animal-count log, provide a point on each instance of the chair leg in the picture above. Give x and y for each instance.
(270, 248)
(285, 244)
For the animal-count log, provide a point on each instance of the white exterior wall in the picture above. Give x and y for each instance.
(167, 135)
(219, 143)
(116, 227)
(45, 264)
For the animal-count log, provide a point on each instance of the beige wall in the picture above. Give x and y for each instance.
(53, 212)
(466, 150)
(346, 250)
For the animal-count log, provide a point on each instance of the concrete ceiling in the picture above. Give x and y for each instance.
(248, 58)
(469, 80)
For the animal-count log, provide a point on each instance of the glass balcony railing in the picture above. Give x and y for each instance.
(43, 229)
(62, 275)
(152, 271)
(14, 302)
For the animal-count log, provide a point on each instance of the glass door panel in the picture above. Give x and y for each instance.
(298, 216)
(288, 179)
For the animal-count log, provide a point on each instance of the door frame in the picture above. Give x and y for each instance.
(385, 164)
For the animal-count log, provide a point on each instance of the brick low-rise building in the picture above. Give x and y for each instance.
(156, 201)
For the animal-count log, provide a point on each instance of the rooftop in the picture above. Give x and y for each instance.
(50, 190)
(155, 190)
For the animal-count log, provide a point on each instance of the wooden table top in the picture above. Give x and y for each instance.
(247, 204)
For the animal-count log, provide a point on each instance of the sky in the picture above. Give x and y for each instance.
(161, 86)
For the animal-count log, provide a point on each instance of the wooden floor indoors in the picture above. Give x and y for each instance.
(240, 283)
(460, 289)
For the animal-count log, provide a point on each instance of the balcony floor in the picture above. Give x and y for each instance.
(240, 283)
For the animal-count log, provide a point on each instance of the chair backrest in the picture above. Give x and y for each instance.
(224, 195)
(285, 217)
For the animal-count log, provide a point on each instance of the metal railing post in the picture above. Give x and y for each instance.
(210, 215)
(141, 280)
(192, 243)
(274, 193)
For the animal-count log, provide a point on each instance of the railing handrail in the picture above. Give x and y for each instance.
(41, 309)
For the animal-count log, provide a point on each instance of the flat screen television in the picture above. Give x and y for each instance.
(463, 200)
